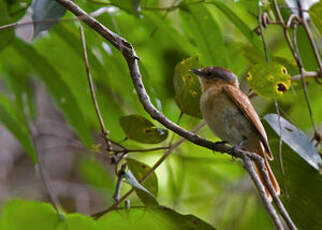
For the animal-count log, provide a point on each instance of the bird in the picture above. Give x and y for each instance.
(230, 116)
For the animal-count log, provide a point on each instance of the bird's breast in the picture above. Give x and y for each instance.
(223, 117)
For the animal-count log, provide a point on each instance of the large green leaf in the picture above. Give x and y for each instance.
(187, 86)
(204, 31)
(19, 214)
(57, 87)
(238, 22)
(315, 13)
(146, 195)
(269, 79)
(43, 10)
(150, 218)
(142, 130)
(295, 139)
(139, 170)
(301, 185)
(305, 50)
(167, 29)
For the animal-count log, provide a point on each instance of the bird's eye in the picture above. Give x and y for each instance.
(208, 73)
(284, 71)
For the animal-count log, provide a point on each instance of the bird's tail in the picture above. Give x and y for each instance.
(271, 177)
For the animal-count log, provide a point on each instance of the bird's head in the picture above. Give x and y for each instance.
(213, 75)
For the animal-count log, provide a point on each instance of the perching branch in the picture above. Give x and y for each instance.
(132, 60)
(248, 165)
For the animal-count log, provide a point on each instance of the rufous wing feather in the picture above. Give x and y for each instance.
(243, 103)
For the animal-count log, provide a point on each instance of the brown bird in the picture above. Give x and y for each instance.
(231, 116)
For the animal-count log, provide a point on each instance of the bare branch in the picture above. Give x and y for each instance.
(92, 90)
(311, 74)
(43, 173)
(260, 23)
(120, 175)
(248, 165)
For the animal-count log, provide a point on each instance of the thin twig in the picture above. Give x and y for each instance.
(310, 74)
(52, 20)
(92, 90)
(280, 140)
(142, 150)
(280, 156)
(281, 208)
(260, 23)
(120, 175)
(248, 165)
(276, 199)
(154, 167)
(309, 34)
(43, 173)
(300, 66)
(132, 60)
(296, 55)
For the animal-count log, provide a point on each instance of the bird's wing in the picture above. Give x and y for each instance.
(243, 103)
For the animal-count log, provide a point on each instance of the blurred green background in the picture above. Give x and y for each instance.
(46, 109)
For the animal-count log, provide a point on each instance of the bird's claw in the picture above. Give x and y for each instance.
(236, 148)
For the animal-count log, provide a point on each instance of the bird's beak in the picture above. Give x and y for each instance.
(196, 71)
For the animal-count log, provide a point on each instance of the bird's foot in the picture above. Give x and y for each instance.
(237, 147)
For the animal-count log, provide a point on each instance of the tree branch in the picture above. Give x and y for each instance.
(132, 60)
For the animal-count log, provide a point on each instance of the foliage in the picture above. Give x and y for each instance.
(170, 38)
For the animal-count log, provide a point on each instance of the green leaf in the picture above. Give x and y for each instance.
(305, 50)
(269, 79)
(150, 218)
(77, 221)
(315, 13)
(19, 214)
(131, 6)
(251, 53)
(203, 30)
(17, 126)
(166, 28)
(44, 10)
(242, 26)
(6, 35)
(142, 130)
(139, 170)
(187, 86)
(147, 196)
(250, 5)
(301, 185)
(59, 90)
(290, 64)
(295, 139)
